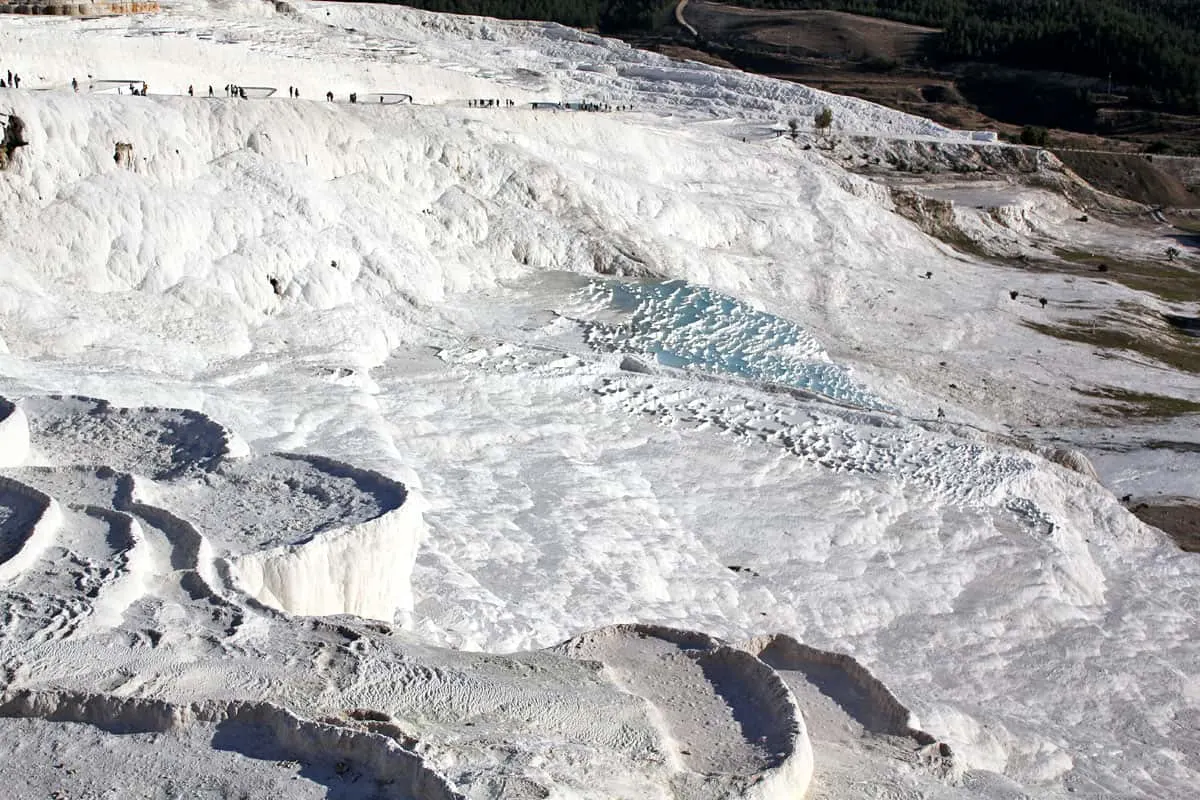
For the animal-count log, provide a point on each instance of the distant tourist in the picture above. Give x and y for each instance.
(74, 84)
(210, 91)
(190, 92)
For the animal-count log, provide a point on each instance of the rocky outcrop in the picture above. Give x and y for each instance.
(14, 137)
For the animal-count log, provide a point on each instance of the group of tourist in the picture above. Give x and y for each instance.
(13, 81)
(589, 106)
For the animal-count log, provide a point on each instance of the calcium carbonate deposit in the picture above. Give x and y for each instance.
(457, 449)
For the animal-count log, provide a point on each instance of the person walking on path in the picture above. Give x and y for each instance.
(74, 84)
(190, 92)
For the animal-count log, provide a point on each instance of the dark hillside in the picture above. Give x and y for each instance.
(1148, 49)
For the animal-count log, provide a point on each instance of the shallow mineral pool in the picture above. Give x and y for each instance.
(691, 327)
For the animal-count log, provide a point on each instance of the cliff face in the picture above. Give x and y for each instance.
(81, 9)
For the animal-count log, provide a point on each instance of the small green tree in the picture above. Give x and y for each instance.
(823, 119)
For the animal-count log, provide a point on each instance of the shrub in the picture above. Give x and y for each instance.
(1034, 135)
(823, 119)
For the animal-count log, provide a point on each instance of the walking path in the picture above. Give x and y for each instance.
(683, 23)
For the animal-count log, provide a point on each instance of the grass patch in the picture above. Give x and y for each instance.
(962, 243)
(1150, 338)
(1180, 522)
(1173, 283)
(1179, 447)
(1128, 403)
(1187, 225)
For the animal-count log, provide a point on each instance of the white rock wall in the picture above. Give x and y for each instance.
(362, 569)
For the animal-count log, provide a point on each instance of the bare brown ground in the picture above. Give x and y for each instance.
(1180, 521)
(685, 53)
(821, 34)
(1135, 177)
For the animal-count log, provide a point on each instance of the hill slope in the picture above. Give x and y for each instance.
(493, 379)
